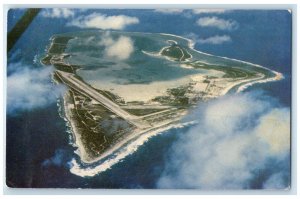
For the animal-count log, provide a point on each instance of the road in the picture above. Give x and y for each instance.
(81, 87)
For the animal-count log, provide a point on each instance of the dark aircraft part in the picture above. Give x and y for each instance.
(20, 27)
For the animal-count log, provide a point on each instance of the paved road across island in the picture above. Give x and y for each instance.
(81, 87)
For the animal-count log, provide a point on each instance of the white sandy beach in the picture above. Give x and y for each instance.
(146, 92)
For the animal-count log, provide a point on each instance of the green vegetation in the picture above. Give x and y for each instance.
(176, 52)
(59, 44)
(57, 48)
(176, 97)
(172, 114)
(230, 72)
(62, 39)
(56, 57)
(141, 112)
(46, 60)
(135, 103)
(98, 127)
(206, 81)
(111, 96)
(65, 68)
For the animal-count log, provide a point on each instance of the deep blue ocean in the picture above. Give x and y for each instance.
(33, 137)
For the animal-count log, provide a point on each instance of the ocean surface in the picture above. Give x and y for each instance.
(38, 149)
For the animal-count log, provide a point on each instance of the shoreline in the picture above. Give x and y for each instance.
(135, 135)
(130, 144)
(244, 84)
(191, 45)
(121, 152)
(147, 134)
(163, 127)
(76, 141)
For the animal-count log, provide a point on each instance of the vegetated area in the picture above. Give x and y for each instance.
(57, 47)
(141, 112)
(175, 97)
(111, 96)
(98, 127)
(230, 72)
(176, 52)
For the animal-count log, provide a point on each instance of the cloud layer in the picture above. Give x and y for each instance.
(58, 13)
(97, 20)
(217, 23)
(169, 10)
(120, 49)
(193, 11)
(59, 159)
(209, 11)
(215, 39)
(29, 88)
(236, 139)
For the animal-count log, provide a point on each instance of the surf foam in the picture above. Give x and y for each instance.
(89, 171)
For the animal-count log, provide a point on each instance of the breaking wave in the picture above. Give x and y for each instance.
(80, 169)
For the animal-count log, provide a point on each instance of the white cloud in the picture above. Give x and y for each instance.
(30, 88)
(58, 13)
(230, 143)
(192, 36)
(275, 132)
(209, 11)
(120, 49)
(275, 181)
(96, 20)
(169, 10)
(217, 23)
(59, 159)
(215, 39)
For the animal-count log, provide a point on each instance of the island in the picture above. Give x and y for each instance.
(112, 100)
